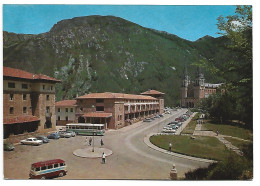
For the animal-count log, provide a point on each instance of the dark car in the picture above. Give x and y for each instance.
(53, 136)
(8, 146)
(43, 138)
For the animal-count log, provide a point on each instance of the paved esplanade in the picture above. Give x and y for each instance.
(131, 157)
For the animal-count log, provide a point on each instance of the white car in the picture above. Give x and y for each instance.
(169, 131)
(31, 141)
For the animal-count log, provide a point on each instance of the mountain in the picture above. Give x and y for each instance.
(106, 53)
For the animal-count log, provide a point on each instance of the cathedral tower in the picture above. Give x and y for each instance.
(199, 86)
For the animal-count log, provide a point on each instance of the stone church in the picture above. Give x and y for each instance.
(193, 91)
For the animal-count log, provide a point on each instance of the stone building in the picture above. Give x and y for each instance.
(28, 102)
(115, 110)
(65, 112)
(193, 91)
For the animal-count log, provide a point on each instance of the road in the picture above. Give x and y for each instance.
(131, 158)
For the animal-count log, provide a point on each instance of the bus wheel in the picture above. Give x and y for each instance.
(43, 177)
(61, 174)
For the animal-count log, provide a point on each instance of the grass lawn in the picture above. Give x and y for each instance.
(202, 146)
(189, 129)
(238, 143)
(229, 130)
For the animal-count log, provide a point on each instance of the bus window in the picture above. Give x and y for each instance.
(37, 169)
(56, 165)
(62, 164)
(43, 168)
(50, 167)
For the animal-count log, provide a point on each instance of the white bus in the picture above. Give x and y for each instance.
(86, 129)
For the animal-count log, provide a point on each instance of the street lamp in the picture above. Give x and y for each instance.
(93, 130)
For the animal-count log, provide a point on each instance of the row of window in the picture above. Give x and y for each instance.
(11, 97)
(66, 109)
(50, 166)
(11, 110)
(25, 86)
(66, 118)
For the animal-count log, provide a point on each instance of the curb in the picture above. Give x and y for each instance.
(149, 144)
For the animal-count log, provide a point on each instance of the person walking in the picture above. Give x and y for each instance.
(86, 140)
(101, 142)
(170, 146)
(103, 158)
(90, 141)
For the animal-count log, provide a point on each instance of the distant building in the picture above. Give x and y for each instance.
(29, 102)
(65, 112)
(193, 92)
(115, 110)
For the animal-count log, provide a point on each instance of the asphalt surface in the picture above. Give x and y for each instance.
(131, 158)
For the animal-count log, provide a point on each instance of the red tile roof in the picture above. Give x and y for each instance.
(20, 119)
(12, 72)
(107, 95)
(150, 92)
(65, 103)
(98, 115)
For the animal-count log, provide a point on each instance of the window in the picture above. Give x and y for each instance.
(58, 118)
(24, 86)
(11, 110)
(43, 87)
(11, 85)
(47, 97)
(37, 169)
(99, 100)
(24, 110)
(56, 165)
(24, 96)
(99, 108)
(50, 166)
(11, 98)
(47, 109)
(51, 87)
(67, 110)
(43, 168)
(67, 118)
(71, 109)
(58, 109)
(62, 164)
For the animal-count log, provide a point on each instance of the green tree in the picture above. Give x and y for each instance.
(237, 72)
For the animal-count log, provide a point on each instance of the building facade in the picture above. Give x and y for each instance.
(65, 112)
(115, 110)
(193, 91)
(28, 102)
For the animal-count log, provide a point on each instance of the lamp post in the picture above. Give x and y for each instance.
(93, 130)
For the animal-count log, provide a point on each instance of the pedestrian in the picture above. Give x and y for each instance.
(170, 146)
(103, 158)
(86, 140)
(217, 132)
(90, 141)
(101, 142)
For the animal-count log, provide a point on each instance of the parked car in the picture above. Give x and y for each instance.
(167, 112)
(160, 115)
(64, 134)
(169, 131)
(43, 138)
(152, 118)
(31, 141)
(8, 146)
(157, 116)
(54, 135)
(73, 134)
(147, 120)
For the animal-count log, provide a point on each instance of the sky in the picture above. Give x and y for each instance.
(190, 22)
